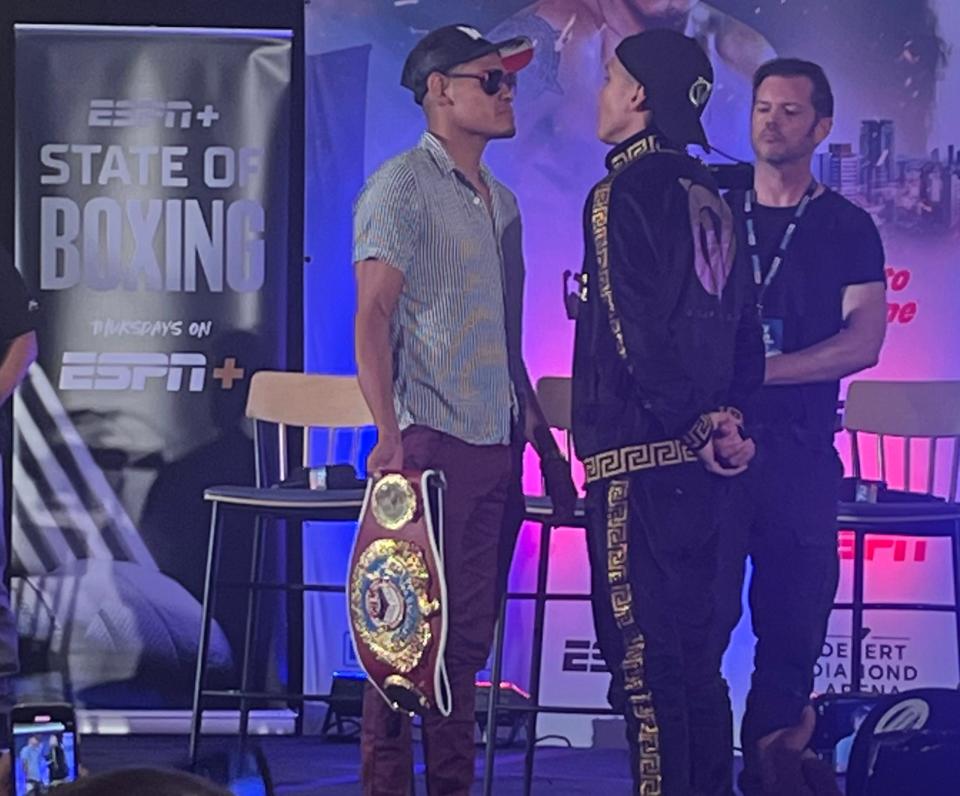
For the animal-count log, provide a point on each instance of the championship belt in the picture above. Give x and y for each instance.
(397, 591)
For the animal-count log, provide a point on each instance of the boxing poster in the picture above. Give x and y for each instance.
(892, 151)
(152, 182)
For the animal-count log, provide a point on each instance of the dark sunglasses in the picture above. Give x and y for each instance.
(492, 80)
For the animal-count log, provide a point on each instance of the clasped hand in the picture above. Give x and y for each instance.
(727, 453)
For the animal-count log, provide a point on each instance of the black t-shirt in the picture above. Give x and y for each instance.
(836, 244)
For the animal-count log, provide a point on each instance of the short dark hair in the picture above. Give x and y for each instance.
(795, 67)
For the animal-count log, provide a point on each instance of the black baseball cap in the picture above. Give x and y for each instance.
(678, 79)
(447, 47)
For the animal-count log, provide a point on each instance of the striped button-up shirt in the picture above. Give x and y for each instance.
(454, 367)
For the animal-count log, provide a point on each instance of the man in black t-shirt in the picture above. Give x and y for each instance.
(18, 350)
(818, 267)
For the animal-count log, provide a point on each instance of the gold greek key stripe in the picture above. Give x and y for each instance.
(699, 435)
(636, 458)
(598, 219)
(649, 776)
(642, 147)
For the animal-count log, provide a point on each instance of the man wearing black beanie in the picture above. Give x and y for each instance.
(668, 344)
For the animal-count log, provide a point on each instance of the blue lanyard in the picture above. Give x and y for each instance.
(749, 202)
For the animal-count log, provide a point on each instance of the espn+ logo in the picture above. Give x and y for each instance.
(111, 371)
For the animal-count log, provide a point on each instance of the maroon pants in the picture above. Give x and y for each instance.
(481, 520)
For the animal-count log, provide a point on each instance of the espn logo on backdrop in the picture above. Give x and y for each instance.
(118, 372)
(145, 113)
(88, 370)
(583, 655)
(889, 548)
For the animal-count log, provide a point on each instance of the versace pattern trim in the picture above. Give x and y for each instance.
(598, 219)
(636, 150)
(636, 458)
(649, 778)
(699, 435)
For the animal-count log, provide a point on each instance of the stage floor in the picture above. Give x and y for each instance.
(308, 765)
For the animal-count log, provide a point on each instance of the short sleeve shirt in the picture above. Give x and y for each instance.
(836, 245)
(452, 368)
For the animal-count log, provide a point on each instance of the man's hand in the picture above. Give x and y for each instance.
(708, 458)
(387, 454)
(731, 449)
(560, 488)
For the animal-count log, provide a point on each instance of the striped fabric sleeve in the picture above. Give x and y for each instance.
(386, 218)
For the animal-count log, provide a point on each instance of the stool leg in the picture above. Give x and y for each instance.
(295, 617)
(494, 700)
(856, 650)
(536, 662)
(209, 582)
(252, 622)
(955, 541)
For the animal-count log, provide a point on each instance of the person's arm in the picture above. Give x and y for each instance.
(855, 347)
(536, 430)
(732, 447)
(646, 292)
(378, 289)
(864, 310)
(386, 231)
(21, 354)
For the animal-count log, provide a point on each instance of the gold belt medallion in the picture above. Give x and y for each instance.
(389, 601)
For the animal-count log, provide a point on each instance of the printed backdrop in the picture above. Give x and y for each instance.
(898, 94)
(152, 227)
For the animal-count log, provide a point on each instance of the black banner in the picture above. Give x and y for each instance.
(152, 182)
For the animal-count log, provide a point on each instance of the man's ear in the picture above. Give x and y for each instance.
(437, 85)
(822, 129)
(638, 99)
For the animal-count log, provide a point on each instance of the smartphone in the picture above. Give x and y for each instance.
(45, 748)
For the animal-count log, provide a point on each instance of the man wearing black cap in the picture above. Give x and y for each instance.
(440, 284)
(667, 334)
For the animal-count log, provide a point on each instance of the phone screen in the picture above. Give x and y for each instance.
(44, 755)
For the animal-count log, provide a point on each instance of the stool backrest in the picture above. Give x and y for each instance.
(555, 394)
(908, 410)
(305, 401)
